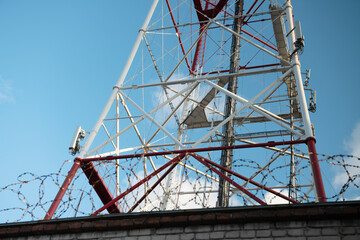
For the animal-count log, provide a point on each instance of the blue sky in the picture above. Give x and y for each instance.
(60, 59)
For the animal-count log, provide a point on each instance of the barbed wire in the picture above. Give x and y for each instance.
(81, 199)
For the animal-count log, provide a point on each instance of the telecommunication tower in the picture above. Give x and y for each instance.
(209, 111)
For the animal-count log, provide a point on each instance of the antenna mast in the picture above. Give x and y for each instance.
(230, 104)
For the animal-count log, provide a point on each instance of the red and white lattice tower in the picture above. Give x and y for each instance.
(209, 110)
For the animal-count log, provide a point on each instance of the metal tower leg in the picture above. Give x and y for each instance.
(319, 185)
(227, 155)
(303, 108)
(102, 116)
(109, 103)
(62, 190)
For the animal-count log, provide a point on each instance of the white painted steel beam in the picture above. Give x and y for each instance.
(246, 104)
(139, 120)
(264, 112)
(188, 52)
(209, 77)
(121, 79)
(252, 43)
(272, 117)
(148, 116)
(297, 73)
(131, 120)
(108, 134)
(174, 111)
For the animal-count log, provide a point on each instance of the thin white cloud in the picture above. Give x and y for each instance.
(193, 195)
(198, 94)
(160, 97)
(273, 199)
(6, 91)
(353, 144)
(352, 164)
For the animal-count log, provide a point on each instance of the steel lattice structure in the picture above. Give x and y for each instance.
(165, 124)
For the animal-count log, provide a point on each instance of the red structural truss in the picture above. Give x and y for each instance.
(110, 203)
(208, 163)
(172, 162)
(178, 34)
(99, 186)
(204, 14)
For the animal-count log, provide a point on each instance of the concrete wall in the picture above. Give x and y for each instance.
(306, 221)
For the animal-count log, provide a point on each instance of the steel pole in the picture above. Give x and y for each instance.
(102, 116)
(319, 186)
(230, 106)
(62, 190)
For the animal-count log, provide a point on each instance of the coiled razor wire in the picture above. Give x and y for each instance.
(81, 200)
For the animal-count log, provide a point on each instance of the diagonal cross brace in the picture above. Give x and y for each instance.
(140, 119)
(147, 178)
(94, 179)
(241, 188)
(155, 184)
(99, 186)
(246, 179)
(206, 14)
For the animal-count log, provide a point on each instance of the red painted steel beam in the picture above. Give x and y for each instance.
(154, 186)
(254, 145)
(247, 179)
(99, 186)
(214, 5)
(251, 35)
(319, 185)
(203, 50)
(263, 42)
(245, 22)
(176, 159)
(198, 48)
(252, 6)
(62, 190)
(241, 188)
(178, 35)
(206, 14)
(201, 13)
